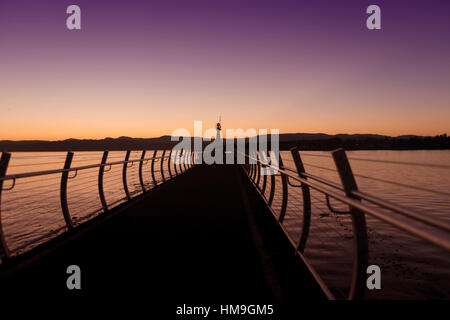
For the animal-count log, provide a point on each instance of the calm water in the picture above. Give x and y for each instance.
(410, 268)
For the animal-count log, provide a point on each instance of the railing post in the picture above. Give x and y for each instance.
(175, 162)
(101, 172)
(306, 199)
(258, 171)
(272, 184)
(360, 260)
(284, 185)
(4, 161)
(181, 160)
(162, 166)
(169, 162)
(153, 168)
(141, 178)
(188, 160)
(185, 160)
(124, 174)
(263, 189)
(272, 190)
(63, 190)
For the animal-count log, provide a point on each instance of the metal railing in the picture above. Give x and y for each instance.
(432, 230)
(184, 161)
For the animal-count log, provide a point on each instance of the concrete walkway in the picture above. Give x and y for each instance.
(205, 237)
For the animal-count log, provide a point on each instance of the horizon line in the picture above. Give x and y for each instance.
(289, 133)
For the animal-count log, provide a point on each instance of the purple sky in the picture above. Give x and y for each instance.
(145, 68)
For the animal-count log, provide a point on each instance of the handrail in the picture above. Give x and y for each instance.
(444, 245)
(413, 187)
(348, 194)
(54, 171)
(324, 181)
(440, 224)
(406, 163)
(5, 253)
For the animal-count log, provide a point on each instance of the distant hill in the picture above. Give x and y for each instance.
(324, 136)
(367, 142)
(120, 143)
(306, 141)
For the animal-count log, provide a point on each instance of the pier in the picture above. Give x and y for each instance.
(193, 232)
(184, 248)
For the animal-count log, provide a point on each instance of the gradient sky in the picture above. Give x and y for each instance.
(145, 68)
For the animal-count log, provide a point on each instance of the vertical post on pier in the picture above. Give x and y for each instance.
(360, 260)
(63, 190)
(189, 164)
(284, 185)
(4, 161)
(169, 162)
(258, 171)
(264, 185)
(124, 174)
(180, 160)
(153, 168)
(101, 172)
(162, 166)
(141, 163)
(188, 159)
(306, 199)
(175, 162)
(272, 183)
(263, 189)
(185, 160)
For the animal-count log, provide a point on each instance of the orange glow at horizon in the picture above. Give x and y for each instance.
(147, 77)
(96, 113)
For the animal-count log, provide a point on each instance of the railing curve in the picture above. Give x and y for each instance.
(69, 172)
